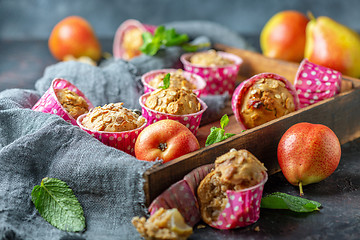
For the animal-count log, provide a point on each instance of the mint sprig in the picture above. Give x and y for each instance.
(218, 134)
(278, 200)
(166, 82)
(58, 205)
(166, 38)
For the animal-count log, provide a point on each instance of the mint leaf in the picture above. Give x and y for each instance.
(58, 205)
(218, 134)
(167, 37)
(224, 121)
(280, 200)
(166, 81)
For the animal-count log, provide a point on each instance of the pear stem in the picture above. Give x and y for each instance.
(310, 15)
(301, 189)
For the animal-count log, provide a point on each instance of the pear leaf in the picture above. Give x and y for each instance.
(58, 205)
(278, 200)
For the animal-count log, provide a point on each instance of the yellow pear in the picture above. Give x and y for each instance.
(333, 45)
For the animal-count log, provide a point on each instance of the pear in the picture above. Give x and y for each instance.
(308, 153)
(283, 36)
(333, 45)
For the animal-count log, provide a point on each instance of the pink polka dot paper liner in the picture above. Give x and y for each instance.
(118, 50)
(195, 79)
(49, 102)
(241, 90)
(191, 121)
(182, 195)
(242, 209)
(219, 80)
(124, 141)
(314, 83)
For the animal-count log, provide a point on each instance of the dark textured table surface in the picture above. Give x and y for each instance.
(339, 217)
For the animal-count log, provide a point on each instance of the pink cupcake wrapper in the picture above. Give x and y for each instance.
(317, 86)
(316, 77)
(124, 141)
(316, 96)
(179, 196)
(49, 102)
(182, 195)
(218, 79)
(195, 79)
(242, 89)
(191, 121)
(118, 51)
(243, 207)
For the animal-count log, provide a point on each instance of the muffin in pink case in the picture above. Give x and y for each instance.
(128, 39)
(113, 125)
(65, 100)
(178, 78)
(262, 98)
(230, 195)
(181, 105)
(182, 196)
(219, 70)
(226, 196)
(314, 83)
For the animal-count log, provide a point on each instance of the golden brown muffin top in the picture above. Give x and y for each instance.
(234, 171)
(177, 80)
(240, 168)
(209, 58)
(112, 117)
(173, 101)
(163, 224)
(74, 104)
(266, 100)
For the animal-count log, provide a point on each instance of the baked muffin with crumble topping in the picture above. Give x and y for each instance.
(263, 98)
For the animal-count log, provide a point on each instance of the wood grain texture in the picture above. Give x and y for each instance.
(340, 113)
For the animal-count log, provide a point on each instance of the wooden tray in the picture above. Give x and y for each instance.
(341, 113)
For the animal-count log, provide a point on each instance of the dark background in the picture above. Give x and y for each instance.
(34, 19)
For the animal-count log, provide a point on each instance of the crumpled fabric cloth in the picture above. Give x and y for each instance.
(107, 182)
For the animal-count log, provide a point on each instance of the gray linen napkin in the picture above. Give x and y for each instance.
(34, 145)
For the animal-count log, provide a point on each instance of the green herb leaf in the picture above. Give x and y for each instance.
(166, 37)
(58, 205)
(218, 134)
(166, 82)
(280, 200)
(224, 121)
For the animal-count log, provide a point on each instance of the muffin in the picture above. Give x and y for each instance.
(263, 98)
(176, 104)
(112, 117)
(229, 196)
(210, 58)
(113, 125)
(218, 69)
(163, 224)
(128, 39)
(173, 101)
(65, 100)
(178, 78)
(74, 104)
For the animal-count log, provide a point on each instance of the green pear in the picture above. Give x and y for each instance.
(333, 45)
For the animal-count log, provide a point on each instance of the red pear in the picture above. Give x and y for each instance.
(308, 153)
